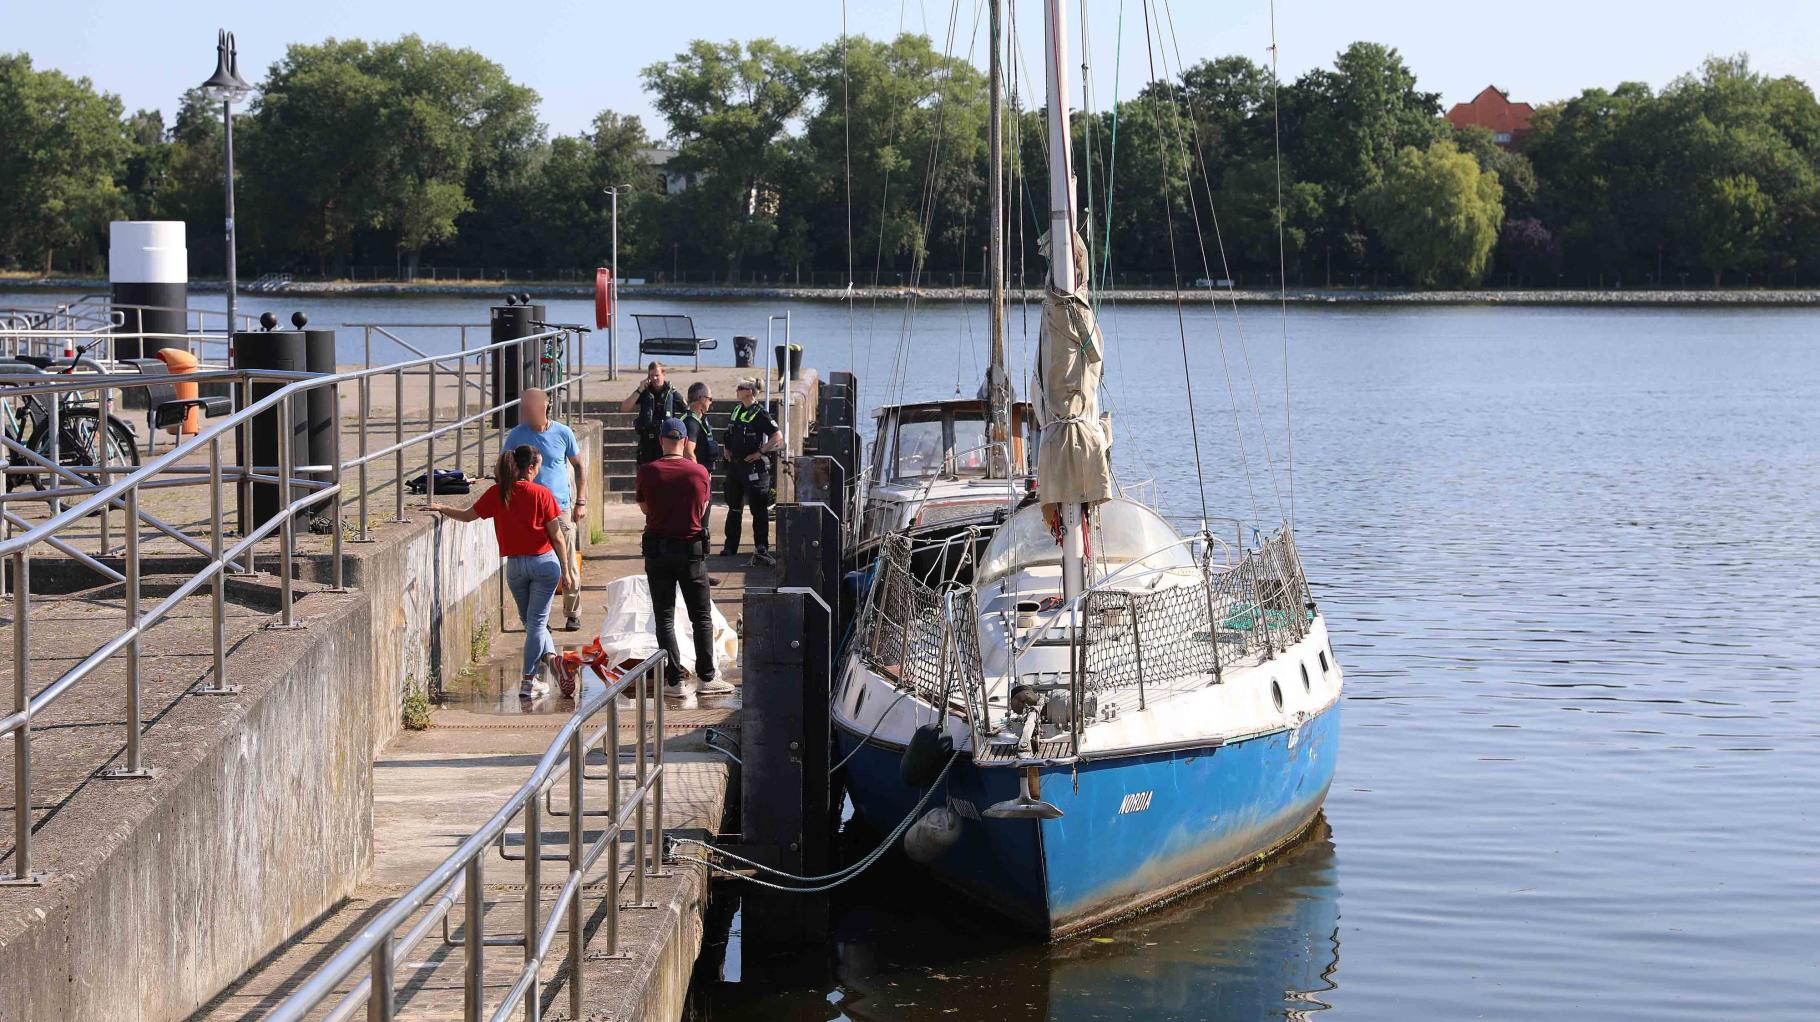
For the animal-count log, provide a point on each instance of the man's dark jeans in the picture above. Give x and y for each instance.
(679, 563)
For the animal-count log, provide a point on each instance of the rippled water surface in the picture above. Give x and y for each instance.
(1569, 560)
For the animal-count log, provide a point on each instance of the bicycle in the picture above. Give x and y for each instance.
(27, 422)
(551, 360)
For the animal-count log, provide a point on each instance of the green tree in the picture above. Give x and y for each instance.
(63, 148)
(1341, 127)
(350, 136)
(1438, 213)
(1732, 217)
(728, 106)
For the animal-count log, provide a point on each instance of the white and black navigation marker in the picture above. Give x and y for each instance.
(148, 264)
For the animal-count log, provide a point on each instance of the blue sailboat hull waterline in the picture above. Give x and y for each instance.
(1135, 830)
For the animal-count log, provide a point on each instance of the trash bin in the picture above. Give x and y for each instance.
(744, 350)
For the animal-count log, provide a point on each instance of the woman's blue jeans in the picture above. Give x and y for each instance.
(533, 580)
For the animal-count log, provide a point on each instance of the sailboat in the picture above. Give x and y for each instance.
(1076, 710)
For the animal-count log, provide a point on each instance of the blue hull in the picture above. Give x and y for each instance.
(1135, 830)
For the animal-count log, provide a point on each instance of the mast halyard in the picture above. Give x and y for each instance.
(1061, 242)
(998, 378)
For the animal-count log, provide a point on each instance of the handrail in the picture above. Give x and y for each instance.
(375, 945)
(101, 487)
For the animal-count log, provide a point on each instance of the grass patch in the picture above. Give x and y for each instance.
(596, 536)
(416, 715)
(480, 642)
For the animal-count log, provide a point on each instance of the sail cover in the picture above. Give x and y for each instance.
(1072, 466)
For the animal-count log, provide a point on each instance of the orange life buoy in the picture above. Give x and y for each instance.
(603, 296)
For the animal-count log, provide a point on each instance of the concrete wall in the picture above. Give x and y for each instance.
(259, 819)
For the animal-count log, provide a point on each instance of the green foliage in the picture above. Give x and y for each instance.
(416, 709)
(728, 106)
(359, 152)
(62, 146)
(1438, 213)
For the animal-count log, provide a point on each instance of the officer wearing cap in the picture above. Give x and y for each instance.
(672, 492)
(750, 437)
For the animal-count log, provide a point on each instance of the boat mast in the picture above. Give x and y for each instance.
(1061, 239)
(998, 379)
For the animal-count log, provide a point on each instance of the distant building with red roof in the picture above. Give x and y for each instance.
(1492, 110)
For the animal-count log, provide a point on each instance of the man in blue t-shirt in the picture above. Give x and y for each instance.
(556, 442)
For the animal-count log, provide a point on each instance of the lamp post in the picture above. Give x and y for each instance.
(227, 85)
(613, 327)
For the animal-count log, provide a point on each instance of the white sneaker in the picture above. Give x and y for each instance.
(713, 687)
(531, 688)
(677, 690)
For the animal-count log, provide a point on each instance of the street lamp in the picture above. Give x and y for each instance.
(227, 86)
(613, 327)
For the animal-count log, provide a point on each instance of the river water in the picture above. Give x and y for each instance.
(1568, 557)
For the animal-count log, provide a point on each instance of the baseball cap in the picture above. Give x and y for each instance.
(672, 429)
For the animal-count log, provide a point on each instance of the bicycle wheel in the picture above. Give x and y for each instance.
(82, 438)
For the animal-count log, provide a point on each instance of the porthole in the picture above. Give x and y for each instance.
(1306, 687)
(1323, 655)
(1276, 693)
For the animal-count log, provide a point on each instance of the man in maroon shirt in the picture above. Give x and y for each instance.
(673, 493)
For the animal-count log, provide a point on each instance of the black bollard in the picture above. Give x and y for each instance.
(514, 368)
(283, 350)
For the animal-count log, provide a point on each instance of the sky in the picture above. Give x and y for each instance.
(583, 57)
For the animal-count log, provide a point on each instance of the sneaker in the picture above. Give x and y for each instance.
(763, 558)
(713, 580)
(729, 551)
(673, 689)
(713, 687)
(531, 688)
(573, 624)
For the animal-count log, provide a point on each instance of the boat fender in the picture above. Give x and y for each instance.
(928, 751)
(930, 837)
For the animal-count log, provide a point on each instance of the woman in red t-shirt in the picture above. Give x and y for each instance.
(528, 525)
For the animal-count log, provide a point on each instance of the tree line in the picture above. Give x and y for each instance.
(865, 157)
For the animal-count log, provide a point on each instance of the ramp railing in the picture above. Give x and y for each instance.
(461, 878)
(77, 488)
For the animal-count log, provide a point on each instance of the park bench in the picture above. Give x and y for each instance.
(671, 335)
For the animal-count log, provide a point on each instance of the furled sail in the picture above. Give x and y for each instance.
(1072, 465)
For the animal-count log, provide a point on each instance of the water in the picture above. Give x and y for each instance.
(1568, 558)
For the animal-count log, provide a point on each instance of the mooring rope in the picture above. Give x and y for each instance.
(834, 879)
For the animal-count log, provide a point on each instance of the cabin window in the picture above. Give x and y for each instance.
(1323, 655)
(1306, 687)
(921, 446)
(1276, 693)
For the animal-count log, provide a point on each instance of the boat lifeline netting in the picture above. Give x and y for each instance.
(912, 633)
(1161, 641)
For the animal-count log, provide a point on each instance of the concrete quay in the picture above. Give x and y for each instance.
(281, 817)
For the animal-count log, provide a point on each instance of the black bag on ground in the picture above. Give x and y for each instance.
(448, 480)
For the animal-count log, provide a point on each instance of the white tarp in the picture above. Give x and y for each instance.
(630, 629)
(1072, 465)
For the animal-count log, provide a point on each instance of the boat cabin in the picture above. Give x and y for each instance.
(932, 466)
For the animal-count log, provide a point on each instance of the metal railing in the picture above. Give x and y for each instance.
(379, 946)
(99, 489)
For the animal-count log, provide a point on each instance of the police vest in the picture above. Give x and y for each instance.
(745, 435)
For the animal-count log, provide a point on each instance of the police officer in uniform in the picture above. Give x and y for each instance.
(655, 400)
(701, 446)
(751, 436)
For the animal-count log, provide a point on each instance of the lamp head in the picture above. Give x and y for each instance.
(226, 82)
(267, 320)
(299, 319)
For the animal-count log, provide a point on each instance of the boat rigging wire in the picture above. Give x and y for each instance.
(1199, 158)
(1276, 139)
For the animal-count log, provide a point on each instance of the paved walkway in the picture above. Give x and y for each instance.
(433, 788)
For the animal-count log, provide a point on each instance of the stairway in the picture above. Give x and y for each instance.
(619, 449)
